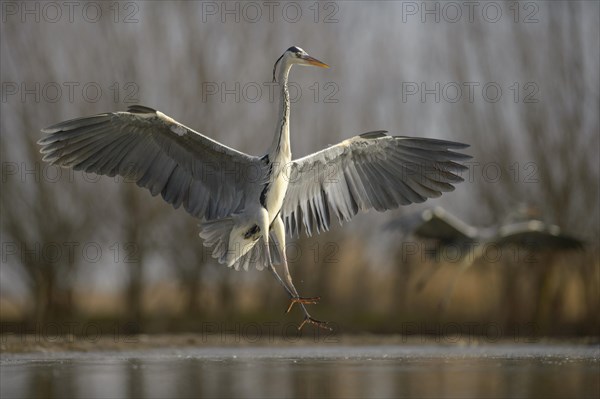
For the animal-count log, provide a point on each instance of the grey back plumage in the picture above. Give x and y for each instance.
(437, 224)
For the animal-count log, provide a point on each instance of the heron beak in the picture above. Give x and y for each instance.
(314, 61)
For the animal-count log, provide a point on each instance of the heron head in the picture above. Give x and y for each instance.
(295, 55)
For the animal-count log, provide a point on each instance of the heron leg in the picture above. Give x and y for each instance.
(283, 284)
(278, 229)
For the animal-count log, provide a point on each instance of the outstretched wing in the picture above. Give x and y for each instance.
(158, 153)
(372, 170)
(435, 224)
(536, 235)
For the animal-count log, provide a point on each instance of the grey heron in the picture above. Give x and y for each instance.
(246, 203)
(521, 229)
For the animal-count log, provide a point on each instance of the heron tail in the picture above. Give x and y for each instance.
(235, 250)
(216, 235)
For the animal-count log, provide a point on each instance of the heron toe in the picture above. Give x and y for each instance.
(315, 322)
(303, 300)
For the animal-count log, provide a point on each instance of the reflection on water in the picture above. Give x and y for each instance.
(373, 371)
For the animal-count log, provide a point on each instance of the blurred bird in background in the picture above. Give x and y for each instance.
(521, 229)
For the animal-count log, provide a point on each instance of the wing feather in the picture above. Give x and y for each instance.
(372, 170)
(158, 153)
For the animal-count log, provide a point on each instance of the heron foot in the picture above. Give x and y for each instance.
(315, 322)
(305, 301)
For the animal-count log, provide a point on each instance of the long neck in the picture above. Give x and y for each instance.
(281, 141)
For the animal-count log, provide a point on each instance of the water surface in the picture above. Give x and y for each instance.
(386, 371)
